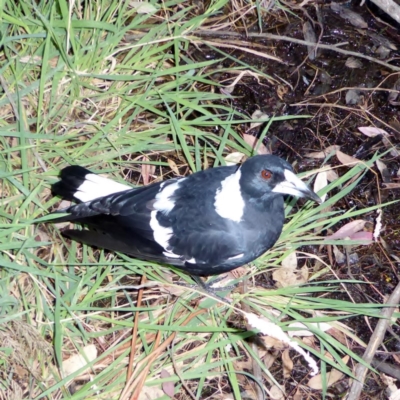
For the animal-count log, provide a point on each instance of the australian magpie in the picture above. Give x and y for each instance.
(204, 224)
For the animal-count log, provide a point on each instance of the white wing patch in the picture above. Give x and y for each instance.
(164, 203)
(229, 202)
(96, 186)
(161, 234)
(164, 199)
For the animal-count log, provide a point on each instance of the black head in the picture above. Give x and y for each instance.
(266, 174)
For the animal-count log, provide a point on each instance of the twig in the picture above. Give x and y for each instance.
(272, 36)
(374, 343)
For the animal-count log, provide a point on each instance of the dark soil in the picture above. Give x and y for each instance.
(321, 86)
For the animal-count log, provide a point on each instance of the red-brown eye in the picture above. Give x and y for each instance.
(265, 174)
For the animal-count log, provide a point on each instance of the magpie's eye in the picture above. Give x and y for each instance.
(265, 174)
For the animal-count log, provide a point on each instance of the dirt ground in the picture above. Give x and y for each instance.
(341, 93)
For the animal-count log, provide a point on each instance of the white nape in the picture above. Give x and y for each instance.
(96, 186)
(229, 202)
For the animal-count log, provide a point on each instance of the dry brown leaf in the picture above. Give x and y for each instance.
(348, 230)
(77, 361)
(332, 377)
(260, 116)
(393, 150)
(64, 204)
(273, 344)
(310, 36)
(147, 170)
(354, 18)
(321, 181)
(371, 131)
(353, 62)
(287, 364)
(338, 335)
(285, 277)
(304, 273)
(339, 256)
(173, 166)
(331, 174)
(253, 142)
(346, 159)
(290, 261)
(392, 185)
(276, 393)
(143, 7)
(168, 387)
(309, 341)
(234, 158)
(386, 177)
(298, 395)
(150, 393)
(324, 153)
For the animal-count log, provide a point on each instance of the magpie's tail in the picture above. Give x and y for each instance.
(81, 184)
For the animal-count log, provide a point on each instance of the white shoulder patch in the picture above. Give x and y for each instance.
(164, 202)
(164, 198)
(161, 234)
(96, 186)
(229, 202)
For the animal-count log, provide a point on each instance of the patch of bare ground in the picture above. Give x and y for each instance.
(350, 81)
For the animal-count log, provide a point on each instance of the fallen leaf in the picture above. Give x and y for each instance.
(276, 393)
(331, 174)
(392, 185)
(346, 159)
(371, 131)
(320, 182)
(287, 364)
(234, 158)
(363, 235)
(339, 256)
(285, 277)
(393, 150)
(332, 377)
(386, 177)
(290, 261)
(253, 142)
(77, 361)
(271, 343)
(142, 7)
(354, 96)
(173, 166)
(150, 393)
(147, 170)
(353, 62)
(348, 230)
(260, 116)
(168, 387)
(330, 150)
(298, 395)
(310, 36)
(354, 18)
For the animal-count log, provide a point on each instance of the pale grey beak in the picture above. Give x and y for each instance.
(296, 187)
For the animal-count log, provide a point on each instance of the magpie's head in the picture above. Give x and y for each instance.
(267, 174)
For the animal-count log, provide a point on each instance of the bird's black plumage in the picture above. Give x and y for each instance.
(205, 224)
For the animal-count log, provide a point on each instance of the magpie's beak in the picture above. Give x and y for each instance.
(294, 186)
